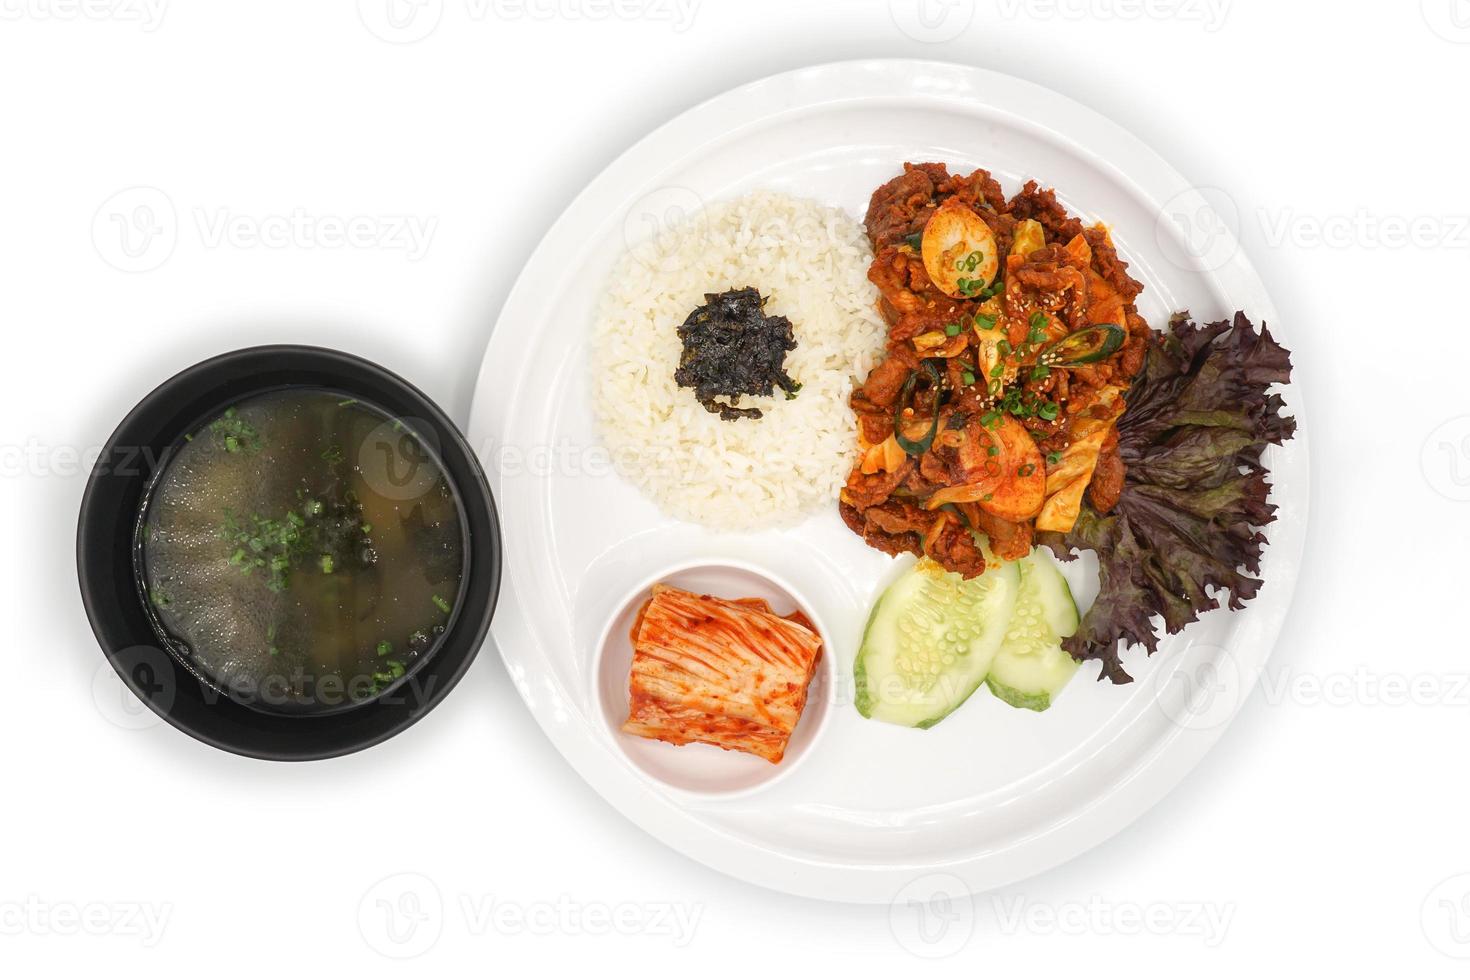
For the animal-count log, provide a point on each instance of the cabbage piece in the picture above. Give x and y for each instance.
(1067, 481)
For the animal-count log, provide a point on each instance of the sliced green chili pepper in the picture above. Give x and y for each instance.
(1086, 346)
(905, 401)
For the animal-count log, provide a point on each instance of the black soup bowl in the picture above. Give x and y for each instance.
(158, 671)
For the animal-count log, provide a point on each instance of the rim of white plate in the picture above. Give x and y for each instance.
(844, 84)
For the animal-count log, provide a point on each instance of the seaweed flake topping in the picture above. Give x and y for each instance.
(731, 348)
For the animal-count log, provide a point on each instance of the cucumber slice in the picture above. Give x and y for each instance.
(930, 641)
(1032, 668)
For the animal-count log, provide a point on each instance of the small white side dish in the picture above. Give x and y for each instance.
(705, 770)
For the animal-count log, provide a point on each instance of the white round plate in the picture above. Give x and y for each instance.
(993, 794)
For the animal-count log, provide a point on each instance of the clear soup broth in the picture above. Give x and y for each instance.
(302, 549)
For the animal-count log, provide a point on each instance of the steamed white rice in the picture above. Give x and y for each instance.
(810, 262)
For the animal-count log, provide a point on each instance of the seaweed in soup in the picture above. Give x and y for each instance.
(282, 563)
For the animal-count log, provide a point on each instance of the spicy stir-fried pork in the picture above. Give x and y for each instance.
(1012, 336)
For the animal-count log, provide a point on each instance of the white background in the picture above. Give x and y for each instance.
(1326, 828)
